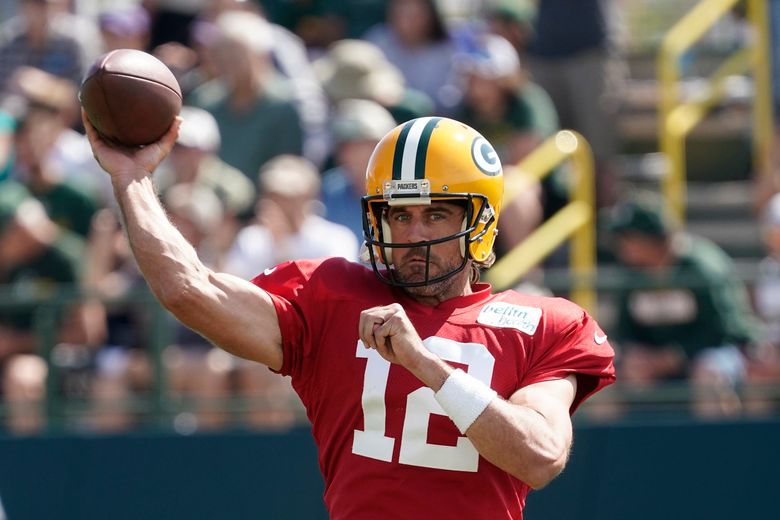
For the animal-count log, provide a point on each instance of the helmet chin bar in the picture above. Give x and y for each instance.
(389, 274)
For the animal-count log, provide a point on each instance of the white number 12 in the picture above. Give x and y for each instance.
(420, 404)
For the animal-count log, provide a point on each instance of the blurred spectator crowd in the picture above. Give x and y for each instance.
(284, 103)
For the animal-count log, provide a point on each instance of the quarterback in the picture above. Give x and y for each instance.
(429, 396)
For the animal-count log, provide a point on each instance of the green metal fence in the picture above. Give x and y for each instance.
(157, 409)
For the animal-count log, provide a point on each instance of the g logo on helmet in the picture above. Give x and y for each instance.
(485, 157)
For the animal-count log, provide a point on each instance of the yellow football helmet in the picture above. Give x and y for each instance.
(426, 159)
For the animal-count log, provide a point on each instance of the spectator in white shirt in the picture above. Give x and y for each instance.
(288, 225)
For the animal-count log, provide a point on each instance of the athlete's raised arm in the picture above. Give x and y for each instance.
(231, 312)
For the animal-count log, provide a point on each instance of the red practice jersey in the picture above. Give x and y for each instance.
(386, 448)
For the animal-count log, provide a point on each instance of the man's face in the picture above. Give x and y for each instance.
(284, 215)
(186, 160)
(354, 155)
(35, 140)
(410, 224)
(412, 20)
(484, 93)
(36, 14)
(235, 62)
(640, 251)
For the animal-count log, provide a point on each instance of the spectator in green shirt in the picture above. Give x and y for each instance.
(36, 257)
(683, 313)
(252, 104)
(67, 203)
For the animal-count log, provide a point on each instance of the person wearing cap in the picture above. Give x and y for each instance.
(195, 160)
(683, 313)
(515, 115)
(358, 126)
(35, 256)
(500, 100)
(357, 69)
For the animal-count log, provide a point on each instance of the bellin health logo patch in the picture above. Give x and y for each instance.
(506, 315)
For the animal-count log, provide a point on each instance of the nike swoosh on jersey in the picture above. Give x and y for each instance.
(269, 271)
(600, 339)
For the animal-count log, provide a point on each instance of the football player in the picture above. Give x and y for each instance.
(429, 396)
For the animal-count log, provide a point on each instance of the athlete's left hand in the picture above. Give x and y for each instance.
(388, 330)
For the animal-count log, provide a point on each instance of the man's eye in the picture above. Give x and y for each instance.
(401, 217)
(437, 216)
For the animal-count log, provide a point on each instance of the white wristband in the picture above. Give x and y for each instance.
(464, 398)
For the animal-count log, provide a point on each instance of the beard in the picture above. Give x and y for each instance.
(414, 272)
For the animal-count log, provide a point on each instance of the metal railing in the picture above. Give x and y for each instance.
(158, 409)
(156, 405)
(678, 117)
(575, 221)
(45, 307)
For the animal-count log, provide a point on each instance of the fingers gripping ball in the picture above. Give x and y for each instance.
(130, 97)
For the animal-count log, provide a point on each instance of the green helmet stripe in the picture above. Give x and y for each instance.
(422, 147)
(398, 153)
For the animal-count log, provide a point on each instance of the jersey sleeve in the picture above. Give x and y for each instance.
(289, 286)
(571, 342)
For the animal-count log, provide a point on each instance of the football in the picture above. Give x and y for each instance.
(130, 97)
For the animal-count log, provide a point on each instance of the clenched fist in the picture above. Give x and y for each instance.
(388, 330)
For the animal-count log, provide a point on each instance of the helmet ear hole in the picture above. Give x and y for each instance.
(482, 238)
